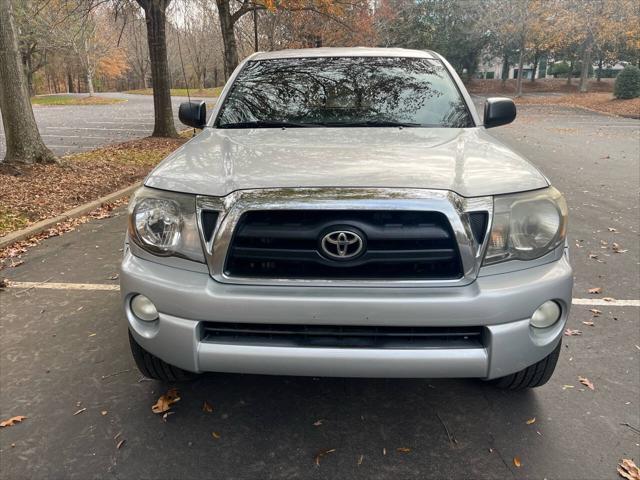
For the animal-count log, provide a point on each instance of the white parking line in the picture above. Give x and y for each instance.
(63, 286)
(98, 129)
(111, 287)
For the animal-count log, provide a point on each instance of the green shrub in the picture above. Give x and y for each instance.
(627, 83)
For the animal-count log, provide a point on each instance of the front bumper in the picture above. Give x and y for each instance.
(501, 303)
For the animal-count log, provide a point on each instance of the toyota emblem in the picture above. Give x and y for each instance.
(342, 245)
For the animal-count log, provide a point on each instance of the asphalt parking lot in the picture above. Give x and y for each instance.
(77, 128)
(65, 349)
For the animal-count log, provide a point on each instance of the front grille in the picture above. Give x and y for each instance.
(343, 336)
(398, 245)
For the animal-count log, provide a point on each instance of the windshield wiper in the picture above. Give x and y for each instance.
(372, 123)
(266, 124)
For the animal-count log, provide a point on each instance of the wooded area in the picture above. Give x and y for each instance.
(69, 46)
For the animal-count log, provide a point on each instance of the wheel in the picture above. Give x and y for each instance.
(152, 367)
(533, 376)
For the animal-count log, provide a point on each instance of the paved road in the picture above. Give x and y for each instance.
(64, 350)
(76, 128)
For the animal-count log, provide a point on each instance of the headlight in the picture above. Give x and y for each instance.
(526, 225)
(164, 223)
(158, 222)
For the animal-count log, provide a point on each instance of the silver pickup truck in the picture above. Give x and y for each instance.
(344, 212)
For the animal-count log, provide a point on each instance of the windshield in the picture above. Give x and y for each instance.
(344, 92)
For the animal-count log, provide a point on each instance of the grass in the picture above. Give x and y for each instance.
(49, 100)
(182, 92)
(10, 222)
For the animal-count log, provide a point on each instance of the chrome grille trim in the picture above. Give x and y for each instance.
(455, 207)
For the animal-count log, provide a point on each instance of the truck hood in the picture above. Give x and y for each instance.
(469, 161)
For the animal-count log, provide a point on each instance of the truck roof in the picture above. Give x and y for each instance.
(343, 52)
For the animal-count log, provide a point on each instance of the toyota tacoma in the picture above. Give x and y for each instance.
(345, 212)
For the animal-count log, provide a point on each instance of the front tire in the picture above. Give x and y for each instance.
(533, 376)
(152, 367)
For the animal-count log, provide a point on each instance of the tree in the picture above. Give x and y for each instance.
(156, 17)
(24, 144)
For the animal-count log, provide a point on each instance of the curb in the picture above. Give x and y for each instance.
(43, 225)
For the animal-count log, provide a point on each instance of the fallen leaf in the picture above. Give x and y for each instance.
(517, 462)
(80, 411)
(617, 248)
(589, 324)
(165, 401)
(595, 290)
(166, 416)
(113, 277)
(564, 387)
(595, 311)
(384, 451)
(403, 449)
(572, 333)
(587, 383)
(608, 299)
(206, 407)
(4, 283)
(360, 459)
(593, 255)
(103, 412)
(317, 423)
(12, 421)
(531, 421)
(92, 334)
(120, 444)
(611, 229)
(322, 453)
(215, 435)
(629, 470)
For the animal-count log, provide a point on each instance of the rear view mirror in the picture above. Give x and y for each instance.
(193, 114)
(499, 111)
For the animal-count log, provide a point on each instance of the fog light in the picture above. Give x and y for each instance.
(546, 315)
(143, 308)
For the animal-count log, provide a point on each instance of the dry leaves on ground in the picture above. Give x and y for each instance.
(531, 421)
(587, 383)
(317, 423)
(11, 256)
(595, 312)
(600, 102)
(572, 333)
(595, 290)
(165, 401)
(322, 453)
(403, 450)
(628, 469)
(517, 462)
(215, 435)
(36, 192)
(12, 421)
(206, 407)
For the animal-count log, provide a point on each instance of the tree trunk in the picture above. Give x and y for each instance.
(599, 74)
(155, 15)
(24, 144)
(520, 65)
(505, 68)
(90, 82)
(570, 74)
(534, 70)
(70, 83)
(228, 37)
(586, 63)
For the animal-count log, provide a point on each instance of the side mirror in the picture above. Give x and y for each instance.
(499, 111)
(193, 114)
